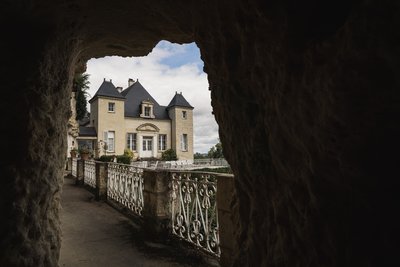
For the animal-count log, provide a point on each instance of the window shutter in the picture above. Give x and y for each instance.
(105, 137)
(128, 141)
(105, 141)
(181, 142)
(134, 141)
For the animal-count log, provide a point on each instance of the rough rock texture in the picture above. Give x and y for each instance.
(319, 106)
(313, 88)
(73, 125)
(36, 67)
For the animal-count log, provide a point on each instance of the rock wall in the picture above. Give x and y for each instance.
(319, 108)
(313, 86)
(36, 69)
(315, 95)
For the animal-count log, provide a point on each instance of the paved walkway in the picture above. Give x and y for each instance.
(95, 234)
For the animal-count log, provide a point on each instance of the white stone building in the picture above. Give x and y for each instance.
(132, 118)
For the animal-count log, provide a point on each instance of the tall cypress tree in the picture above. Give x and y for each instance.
(81, 85)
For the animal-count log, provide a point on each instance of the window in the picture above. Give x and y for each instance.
(184, 142)
(184, 115)
(109, 141)
(131, 141)
(147, 144)
(111, 107)
(162, 142)
(147, 111)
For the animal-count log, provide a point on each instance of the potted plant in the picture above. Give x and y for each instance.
(73, 152)
(84, 152)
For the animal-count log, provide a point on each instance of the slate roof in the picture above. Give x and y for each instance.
(134, 96)
(87, 131)
(180, 101)
(107, 89)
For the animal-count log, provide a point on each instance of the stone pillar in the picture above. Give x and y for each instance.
(80, 171)
(101, 181)
(155, 146)
(156, 211)
(139, 145)
(225, 195)
(69, 164)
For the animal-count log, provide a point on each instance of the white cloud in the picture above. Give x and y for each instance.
(162, 80)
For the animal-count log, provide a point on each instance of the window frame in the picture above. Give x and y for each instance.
(111, 104)
(162, 144)
(184, 114)
(106, 137)
(145, 144)
(131, 141)
(184, 142)
(149, 112)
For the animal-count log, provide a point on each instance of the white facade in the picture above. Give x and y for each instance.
(148, 132)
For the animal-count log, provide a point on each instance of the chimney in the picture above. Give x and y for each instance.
(119, 89)
(130, 82)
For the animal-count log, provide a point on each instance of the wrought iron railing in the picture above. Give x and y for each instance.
(89, 176)
(194, 209)
(74, 167)
(125, 186)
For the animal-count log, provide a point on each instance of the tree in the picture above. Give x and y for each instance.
(81, 85)
(198, 155)
(216, 151)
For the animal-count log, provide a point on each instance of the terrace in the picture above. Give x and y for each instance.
(171, 204)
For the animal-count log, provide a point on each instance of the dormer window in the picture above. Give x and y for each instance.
(147, 109)
(111, 107)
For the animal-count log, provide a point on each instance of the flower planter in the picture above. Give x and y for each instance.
(84, 156)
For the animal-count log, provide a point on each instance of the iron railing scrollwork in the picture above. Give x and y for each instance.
(194, 209)
(89, 176)
(125, 186)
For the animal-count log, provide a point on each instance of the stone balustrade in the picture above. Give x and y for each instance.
(194, 206)
(226, 194)
(211, 162)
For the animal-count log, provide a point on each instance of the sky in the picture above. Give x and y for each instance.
(169, 68)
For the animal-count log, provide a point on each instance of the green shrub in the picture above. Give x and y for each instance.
(169, 155)
(124, 159)
(128, 153)
(84, 150)
(106, 158)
